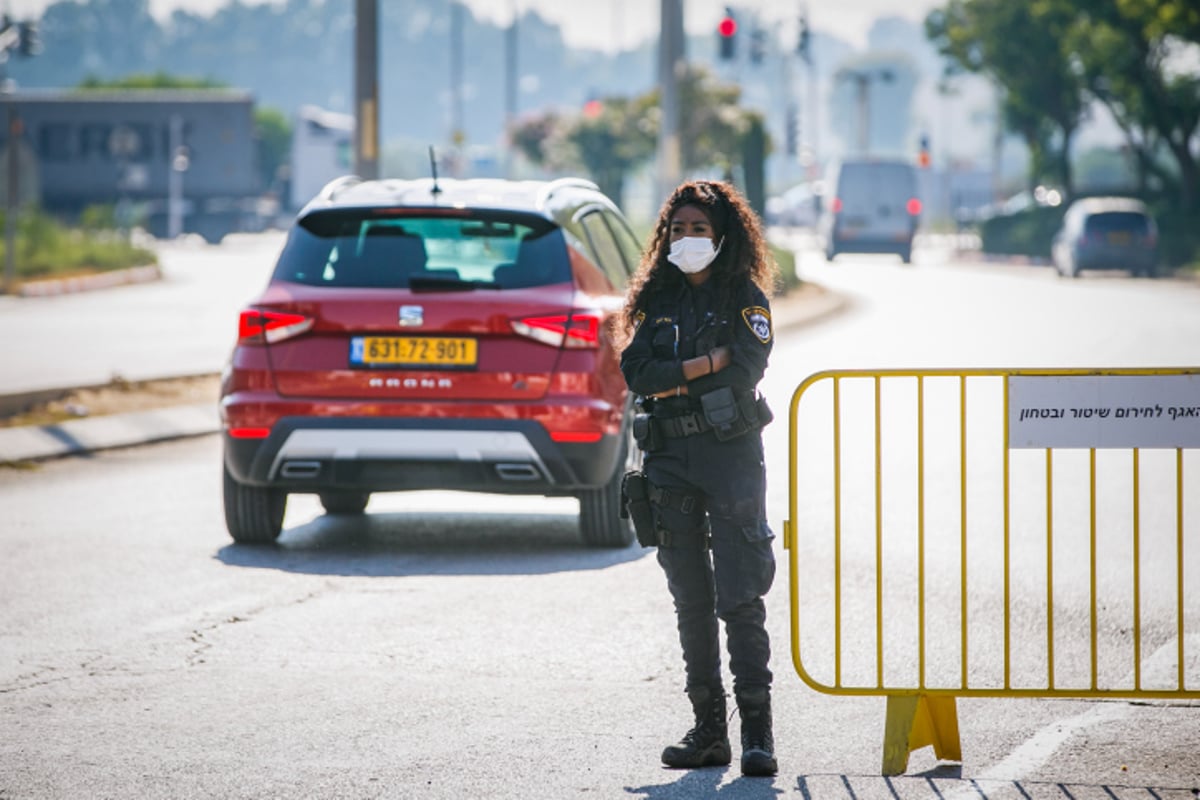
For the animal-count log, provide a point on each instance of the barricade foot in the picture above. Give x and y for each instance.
(916, 721)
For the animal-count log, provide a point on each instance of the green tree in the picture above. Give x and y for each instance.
(613, 141)
(274, 145)
(1020, 46)
(1132, 54)
(619, 134)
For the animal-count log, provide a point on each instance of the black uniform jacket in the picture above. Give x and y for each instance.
(681, 322)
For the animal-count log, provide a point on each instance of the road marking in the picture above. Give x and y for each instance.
(1040, 747)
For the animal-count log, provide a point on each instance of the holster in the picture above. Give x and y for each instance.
(635, 505)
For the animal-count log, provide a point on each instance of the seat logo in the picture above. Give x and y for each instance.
(411, 316)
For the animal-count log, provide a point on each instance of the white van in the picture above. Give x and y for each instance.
(871, 206)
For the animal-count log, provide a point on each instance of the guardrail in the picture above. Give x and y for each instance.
(993, 533)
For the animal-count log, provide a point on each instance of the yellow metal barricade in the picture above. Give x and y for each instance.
(993, 533)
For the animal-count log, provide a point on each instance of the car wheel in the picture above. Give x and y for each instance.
(906, 256)
(600, 520)
(344, 502)
(253, 514)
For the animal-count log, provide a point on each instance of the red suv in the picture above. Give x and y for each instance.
(431, 334)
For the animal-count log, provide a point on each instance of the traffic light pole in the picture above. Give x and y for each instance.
(671, 62)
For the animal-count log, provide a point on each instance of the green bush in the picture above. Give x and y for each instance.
(1026, 233)
(45, 247)
(1030, 233)
(1178, 236)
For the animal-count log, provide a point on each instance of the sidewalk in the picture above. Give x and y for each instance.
(805, 305)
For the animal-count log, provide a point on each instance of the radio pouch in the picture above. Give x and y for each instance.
(635, 505)
(722, 412)
(645, 433)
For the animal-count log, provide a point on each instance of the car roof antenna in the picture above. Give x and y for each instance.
(436, 190)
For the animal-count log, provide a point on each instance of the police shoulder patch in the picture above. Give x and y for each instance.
(758, 320)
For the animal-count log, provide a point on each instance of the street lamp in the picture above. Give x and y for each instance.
(862, 80)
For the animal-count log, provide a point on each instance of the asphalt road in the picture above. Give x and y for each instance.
(449, 647)
(183, 324)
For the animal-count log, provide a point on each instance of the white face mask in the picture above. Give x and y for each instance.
(693, 253)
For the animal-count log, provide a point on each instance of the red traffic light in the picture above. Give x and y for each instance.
(727, 27)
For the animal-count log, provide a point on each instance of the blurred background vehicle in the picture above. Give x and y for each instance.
(798, 207)
(872, 207)
(1106, 233)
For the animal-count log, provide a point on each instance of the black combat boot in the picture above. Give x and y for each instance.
(707, 744)
(758, 743)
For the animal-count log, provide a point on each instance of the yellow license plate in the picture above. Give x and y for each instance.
(420, 351)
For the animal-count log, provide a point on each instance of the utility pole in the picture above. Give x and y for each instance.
(457, 134)
(510, 89)
(366, 89)
(671, 63)
(10, 214)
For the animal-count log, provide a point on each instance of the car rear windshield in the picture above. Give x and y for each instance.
(876, 179)
(1118, 222)
(439, 248)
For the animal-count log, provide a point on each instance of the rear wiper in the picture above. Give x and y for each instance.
(438, 284)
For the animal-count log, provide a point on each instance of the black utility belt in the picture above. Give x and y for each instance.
(678, 427)
(727, 414)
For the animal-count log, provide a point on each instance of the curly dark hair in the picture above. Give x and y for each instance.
(744, 257)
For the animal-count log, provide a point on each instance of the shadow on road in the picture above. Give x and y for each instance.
(702, 783)
(430, 543)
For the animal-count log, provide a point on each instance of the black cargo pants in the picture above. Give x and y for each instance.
(729, 581)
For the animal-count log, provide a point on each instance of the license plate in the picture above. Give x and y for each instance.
(1120, 239)
(412, 351)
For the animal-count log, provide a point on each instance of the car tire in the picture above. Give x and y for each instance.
(600, 521)
(253, 514)
(344, 502)
(906, 256)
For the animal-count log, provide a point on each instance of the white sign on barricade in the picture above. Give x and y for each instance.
(1104, 411)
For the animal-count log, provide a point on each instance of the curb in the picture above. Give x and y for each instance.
(75, 437)
(808, 304)
(19, 402)
(86, 283)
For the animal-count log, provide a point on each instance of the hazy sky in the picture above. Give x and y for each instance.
(600, 23)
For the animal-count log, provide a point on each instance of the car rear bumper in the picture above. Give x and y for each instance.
(1130, 259)
(899, 244)
(516, 456)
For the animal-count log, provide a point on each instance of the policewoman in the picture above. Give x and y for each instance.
(697, 322)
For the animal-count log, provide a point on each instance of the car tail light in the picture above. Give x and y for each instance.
(587, 437)
(249, 433)
(579, 329)
(268, 327)
(836, 205)
(913, 206)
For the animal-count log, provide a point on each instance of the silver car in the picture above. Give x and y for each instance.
(1106, 233)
